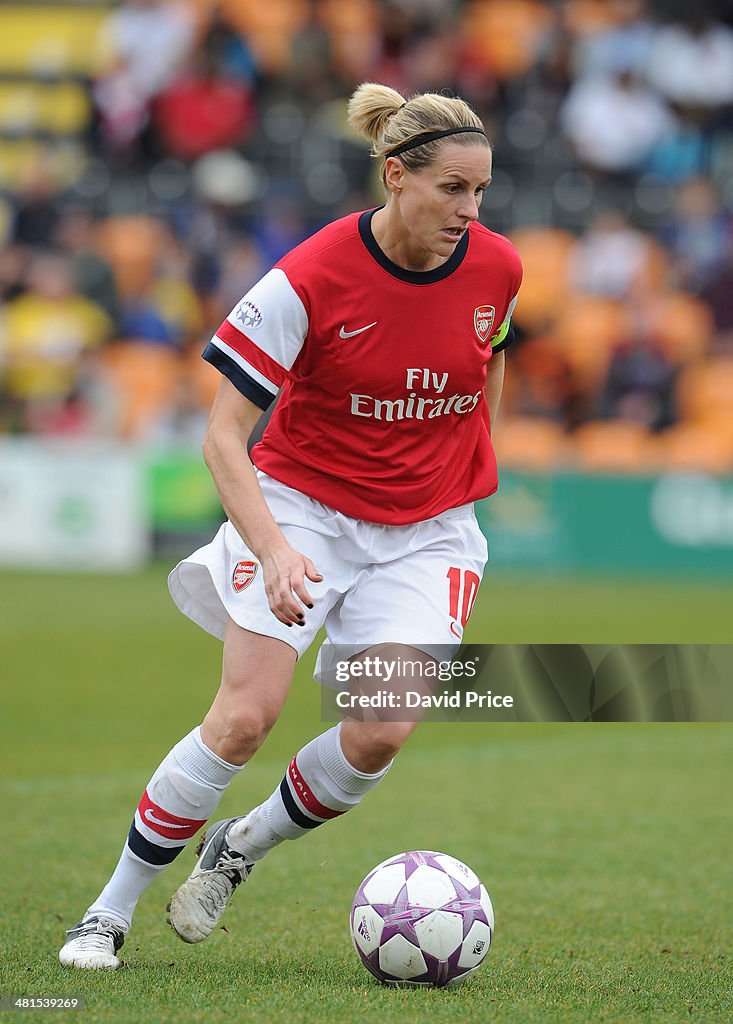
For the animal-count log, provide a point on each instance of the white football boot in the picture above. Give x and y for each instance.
(93, 944)
(198, 905)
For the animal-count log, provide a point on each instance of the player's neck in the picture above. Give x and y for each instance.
(393, 238)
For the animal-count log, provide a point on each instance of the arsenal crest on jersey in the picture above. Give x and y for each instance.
(483, 321)
(244, 573)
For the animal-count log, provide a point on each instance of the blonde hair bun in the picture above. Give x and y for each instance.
(371, 107)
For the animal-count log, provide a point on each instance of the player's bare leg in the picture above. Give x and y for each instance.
(256, 676)
(371, 745)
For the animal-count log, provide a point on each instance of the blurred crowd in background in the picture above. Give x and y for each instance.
(158, 156)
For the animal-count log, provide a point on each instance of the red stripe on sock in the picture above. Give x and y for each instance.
(171, 826)
(306, 795)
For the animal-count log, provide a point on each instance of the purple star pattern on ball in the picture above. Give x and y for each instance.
(422, 918)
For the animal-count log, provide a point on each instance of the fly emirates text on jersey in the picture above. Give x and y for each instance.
(414, 406)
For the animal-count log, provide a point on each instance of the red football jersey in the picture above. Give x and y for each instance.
(382, 413)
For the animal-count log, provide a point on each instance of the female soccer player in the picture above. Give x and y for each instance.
(385, 332)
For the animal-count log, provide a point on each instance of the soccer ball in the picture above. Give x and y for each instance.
(422, 918)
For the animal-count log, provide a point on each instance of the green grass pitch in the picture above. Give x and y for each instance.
(606, 848)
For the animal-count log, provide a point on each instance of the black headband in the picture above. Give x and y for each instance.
(420, 140)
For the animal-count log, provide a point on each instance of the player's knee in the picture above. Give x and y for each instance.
(241, 733)
(391, 738)
(370, 747)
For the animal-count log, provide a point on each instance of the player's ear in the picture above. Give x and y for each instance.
(394, 174)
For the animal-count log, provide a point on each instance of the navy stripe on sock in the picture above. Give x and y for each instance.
(293, 810)
(148, 851)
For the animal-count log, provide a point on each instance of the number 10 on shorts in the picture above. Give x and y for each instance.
(463, 589)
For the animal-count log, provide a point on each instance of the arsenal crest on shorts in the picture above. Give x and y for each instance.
(244, 573)
(483, 321)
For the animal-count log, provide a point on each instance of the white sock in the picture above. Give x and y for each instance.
(181, 796)
(319, 784)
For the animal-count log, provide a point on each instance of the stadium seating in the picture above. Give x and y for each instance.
(505, 35)
(145, 378)
(692, 447)
(530, 443)
(351, 25)
(587, 331)
(46, 57)
(585, 17)
(683, 325)
(705, 392)
(203, 378)
(268, 26)
(62, 161)
(131, 245)
(545, 253)
(58, 41)
(615, 446)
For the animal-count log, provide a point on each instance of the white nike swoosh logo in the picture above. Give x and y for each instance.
(149, 816)
(350, 334)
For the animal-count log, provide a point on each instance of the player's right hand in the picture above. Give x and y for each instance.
(285, 571)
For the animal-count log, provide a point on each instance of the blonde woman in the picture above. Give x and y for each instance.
(385, 333)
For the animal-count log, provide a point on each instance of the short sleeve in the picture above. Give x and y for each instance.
(260, 340)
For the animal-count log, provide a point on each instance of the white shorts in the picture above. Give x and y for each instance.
(411, 585)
